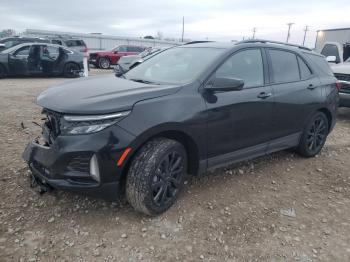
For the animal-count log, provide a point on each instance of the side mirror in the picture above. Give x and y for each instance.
(331, 59)
(225, 84)
(115, 52)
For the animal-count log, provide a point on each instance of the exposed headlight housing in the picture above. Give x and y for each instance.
(86, 124)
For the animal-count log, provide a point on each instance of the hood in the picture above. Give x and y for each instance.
(343, 68)
(99, 95)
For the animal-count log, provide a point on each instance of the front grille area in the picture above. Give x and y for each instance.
(80, 163)
(342, 77)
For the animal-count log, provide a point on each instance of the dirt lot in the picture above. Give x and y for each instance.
(277, 208)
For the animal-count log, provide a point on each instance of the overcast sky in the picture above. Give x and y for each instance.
(212, 19)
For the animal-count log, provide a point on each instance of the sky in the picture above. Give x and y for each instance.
(220, 20)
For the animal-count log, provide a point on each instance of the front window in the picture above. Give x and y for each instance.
(175, 66)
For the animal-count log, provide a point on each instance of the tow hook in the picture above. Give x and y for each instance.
(42, 186)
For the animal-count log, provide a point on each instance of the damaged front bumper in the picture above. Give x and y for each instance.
(66, 162)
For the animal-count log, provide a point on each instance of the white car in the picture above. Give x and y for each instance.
(342, 73)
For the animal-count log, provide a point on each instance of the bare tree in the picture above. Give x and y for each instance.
(7, 33)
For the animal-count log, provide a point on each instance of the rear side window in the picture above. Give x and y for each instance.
(57, 42)
(320, 63)
(134, 49)
(305, 71)
(72, 43)
(246, 65)
(331, 50)
(284, 66)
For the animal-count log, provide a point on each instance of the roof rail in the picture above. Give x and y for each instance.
(272, 42)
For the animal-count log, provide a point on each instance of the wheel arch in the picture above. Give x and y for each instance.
(178, 135)
(329, 116)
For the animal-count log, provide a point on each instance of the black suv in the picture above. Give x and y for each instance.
(187, 110)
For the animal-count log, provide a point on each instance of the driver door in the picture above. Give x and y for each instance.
(18, 61)
(239, 122)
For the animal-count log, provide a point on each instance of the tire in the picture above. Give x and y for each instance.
(151, 186)
(314, 135)
(2, 71)
(104, 63)
(70, 70)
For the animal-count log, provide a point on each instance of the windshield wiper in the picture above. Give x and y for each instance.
(143, 81)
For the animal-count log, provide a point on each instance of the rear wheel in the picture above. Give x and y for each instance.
(71, 70)
(314, 135)
(104, 63)
(2, 71)
(156, 176)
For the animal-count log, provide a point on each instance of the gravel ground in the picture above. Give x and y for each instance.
(276, 208)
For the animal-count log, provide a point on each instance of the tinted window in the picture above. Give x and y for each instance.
(331, 50)
(10, 43)
(51, 52)
(23, 51)
(57, 42)
(320, 64)
(305, 71)
(122, 48)
(134, 49)
(246, 65)
(72, 43)
(284, 66)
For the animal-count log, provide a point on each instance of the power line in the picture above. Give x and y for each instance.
(305, 30)
(289, 26)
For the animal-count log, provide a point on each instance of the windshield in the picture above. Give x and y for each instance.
(175, 65)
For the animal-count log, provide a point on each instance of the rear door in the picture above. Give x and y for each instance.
(296, 90)
(240, 119)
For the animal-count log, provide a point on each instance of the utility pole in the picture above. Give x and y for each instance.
(183, 28)
(305, 30)
(254, 30)
(289, 26)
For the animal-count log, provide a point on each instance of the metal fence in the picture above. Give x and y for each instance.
(102, 42)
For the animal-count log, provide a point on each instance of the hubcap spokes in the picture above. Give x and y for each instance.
(316, 134)
(167, 178)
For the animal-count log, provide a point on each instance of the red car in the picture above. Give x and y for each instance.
(104, 59)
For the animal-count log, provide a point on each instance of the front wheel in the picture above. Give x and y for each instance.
(314, 135)
(104, 63)
(156, 176)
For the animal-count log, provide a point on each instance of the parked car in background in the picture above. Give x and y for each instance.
(40, 59)
(8, 42)
(77, 45)
(187, 110)
(125, 63)
(342, 73)
(104, 59)
(336, 52)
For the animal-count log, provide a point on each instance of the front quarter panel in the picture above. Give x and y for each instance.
(183, 111)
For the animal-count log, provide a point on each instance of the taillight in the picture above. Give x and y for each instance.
(338, 84)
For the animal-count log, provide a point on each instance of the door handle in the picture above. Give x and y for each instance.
(264, 95)
(311, 87)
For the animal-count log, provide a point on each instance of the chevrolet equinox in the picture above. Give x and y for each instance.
(189, 109)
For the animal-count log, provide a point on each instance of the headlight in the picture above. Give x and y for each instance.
(86, 124)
